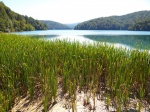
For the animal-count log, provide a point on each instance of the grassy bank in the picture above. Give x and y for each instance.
(29, 64)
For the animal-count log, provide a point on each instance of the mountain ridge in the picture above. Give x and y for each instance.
(72, 25)
(123, 22)
(54, 25)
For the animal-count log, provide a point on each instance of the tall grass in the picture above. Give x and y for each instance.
(27, 64)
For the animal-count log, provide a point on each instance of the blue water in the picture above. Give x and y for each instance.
(133, 39)
(84, 32)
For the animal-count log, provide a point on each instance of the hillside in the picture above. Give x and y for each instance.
(72, 25)
(114, 22)
(54, 25)
(11, 21)
(141, 26)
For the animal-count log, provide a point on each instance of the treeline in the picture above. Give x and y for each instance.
(11, 21)
(54, 25)
(141, 26)
(125, 22)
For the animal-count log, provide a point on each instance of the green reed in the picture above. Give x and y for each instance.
(29, 65)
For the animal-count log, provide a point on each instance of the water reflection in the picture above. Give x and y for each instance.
(135, 41)
(132, 39)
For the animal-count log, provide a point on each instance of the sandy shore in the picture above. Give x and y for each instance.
(84, 103)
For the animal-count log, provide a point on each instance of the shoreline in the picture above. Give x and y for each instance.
(83, 102)
(24, 105)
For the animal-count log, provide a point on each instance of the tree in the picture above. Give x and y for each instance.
(11, 21)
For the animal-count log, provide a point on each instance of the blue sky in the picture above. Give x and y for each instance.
(72, 11)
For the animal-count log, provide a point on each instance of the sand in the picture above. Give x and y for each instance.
(84, 103)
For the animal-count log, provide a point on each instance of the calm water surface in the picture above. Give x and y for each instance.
(131, 39)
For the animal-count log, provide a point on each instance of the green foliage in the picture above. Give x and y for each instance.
(114, 22)
(54, 25)
(28, 63)
(143, 25)
(11, 21)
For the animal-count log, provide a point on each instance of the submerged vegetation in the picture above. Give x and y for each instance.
(27, 64)
(134, 41)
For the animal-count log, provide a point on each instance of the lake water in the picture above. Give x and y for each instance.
(127, 39)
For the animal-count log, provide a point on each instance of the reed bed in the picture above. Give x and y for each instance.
(28, 63)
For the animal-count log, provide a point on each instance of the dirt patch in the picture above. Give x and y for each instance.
(84, 102)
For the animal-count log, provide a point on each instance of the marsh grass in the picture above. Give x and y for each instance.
(27, 63)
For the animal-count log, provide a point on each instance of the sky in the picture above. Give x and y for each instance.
(73, 11)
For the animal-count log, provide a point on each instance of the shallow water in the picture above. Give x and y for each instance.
(126, 39)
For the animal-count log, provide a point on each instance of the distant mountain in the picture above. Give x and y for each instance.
(124, 22)
(72, 25)
(54, 25)
(11, 21)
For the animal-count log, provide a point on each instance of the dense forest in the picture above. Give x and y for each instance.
(125, 22)
(141, 26)
(11, 21)
(54, 25)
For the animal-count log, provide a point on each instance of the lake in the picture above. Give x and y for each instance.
(127, 39)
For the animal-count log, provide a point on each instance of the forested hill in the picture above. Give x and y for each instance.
(125, 22)
(54, 25)
(143, 25)
(11, 21)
